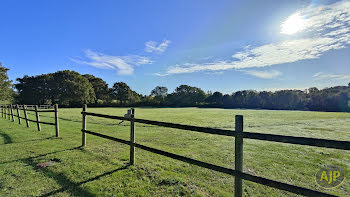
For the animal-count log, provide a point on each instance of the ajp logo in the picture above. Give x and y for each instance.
(330, 176)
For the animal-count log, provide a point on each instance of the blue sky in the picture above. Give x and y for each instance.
(214, 45)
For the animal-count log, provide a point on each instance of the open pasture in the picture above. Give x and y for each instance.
(101, 168)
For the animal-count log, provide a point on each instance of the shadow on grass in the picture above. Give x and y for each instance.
(41, 155)
(9, 141)
(7, 138)
(73, 187)
(61, 179)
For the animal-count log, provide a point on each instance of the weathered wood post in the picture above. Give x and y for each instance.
(37, 117)
(132, 136)
(2, 111)
(5, 112)
(9, 112)
(18, 114)
(25, 114)
(84, 126)
(56, 121)
(238, 154)
(12, 115)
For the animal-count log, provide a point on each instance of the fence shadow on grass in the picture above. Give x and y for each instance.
(9, 141)
(7, 138)
(64, 181)
(73, 187)
(60, 178)
(41, 155)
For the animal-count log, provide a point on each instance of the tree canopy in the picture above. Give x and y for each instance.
(100, 87)
(63, 87)
(71, 88)
(6, 91)
(185, 95)
(121, 91)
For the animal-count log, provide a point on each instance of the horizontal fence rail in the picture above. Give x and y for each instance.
(41, 122)
(41, 110)
(256, 179)
(7, 111)
(167, 124)
(238, 134)
(342, 145)
(39, 106)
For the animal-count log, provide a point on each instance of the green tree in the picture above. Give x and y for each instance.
(121, 91)
(66, 87)
(215, 98)
(159, 93)
(185, 95)
(71, 88)
(100, 87)
(6, 91)
(35, 89)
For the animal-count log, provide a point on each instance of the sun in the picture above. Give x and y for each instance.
(293, 24)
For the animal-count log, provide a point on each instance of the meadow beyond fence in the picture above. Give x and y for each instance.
(239, 134)
(7, 112)
(100, 167)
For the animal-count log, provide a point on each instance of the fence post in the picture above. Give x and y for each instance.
(84, 126)
(132, 137)
(25, 114)
(5, 112)
(37, 117)
(12, 115)
(18, 114)
(56, 121)
(9, 110)
(238, 154)
(2, 111)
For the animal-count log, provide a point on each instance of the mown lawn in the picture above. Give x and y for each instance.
(101, 168)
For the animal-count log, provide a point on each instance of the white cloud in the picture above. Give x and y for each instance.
(263, 74)
(328, 28)
(154, 47)
(293, 24)
(321, 75)
(123, 64)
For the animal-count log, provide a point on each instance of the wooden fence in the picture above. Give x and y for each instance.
(239, 135)
(7, 113)
(39, 106)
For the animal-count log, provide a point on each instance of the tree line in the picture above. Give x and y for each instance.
(69, 88)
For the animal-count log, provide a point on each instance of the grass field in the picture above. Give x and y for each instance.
(100, 169)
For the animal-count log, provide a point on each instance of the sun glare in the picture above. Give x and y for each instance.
(293, 24)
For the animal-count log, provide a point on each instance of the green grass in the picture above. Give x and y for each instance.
(100, 169)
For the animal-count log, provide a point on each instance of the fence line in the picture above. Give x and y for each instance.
(7, 111)
(239, 135)
(39, 106)
(342, 145)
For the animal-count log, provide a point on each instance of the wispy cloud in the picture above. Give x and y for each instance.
(321, 75)
(327, 27)
(154, 47)
(123, 64)
(263, 74)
